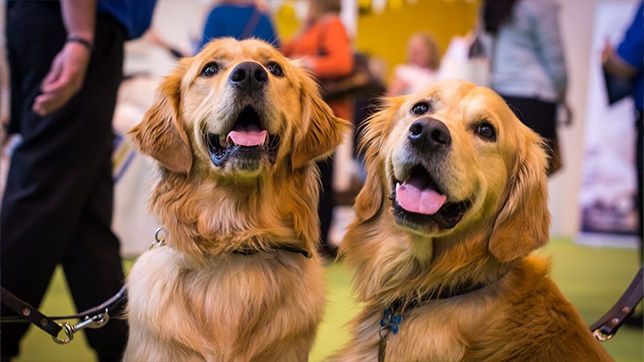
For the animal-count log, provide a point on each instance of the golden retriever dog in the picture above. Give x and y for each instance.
(454, 202)
(236, 131)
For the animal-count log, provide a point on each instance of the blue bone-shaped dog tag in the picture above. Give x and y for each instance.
(391, 321)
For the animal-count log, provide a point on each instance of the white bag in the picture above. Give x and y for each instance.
(465, 58)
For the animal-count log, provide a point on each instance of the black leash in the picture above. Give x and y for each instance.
(606, 327)
(28, 313)
(98, 316)
(95, 317)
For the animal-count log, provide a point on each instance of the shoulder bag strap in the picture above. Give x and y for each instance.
(252, 23)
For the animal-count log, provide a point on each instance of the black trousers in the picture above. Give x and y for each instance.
(326, 206)
(57, 206)
(639, 160)
(540, 116)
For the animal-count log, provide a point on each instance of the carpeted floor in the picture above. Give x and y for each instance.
(593, 279)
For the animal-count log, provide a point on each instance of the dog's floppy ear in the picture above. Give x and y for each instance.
(371, 197)
(320, 132)
(160, 134)
(369, 200)
(523, 222)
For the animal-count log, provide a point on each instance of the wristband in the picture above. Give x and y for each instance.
(88, 44)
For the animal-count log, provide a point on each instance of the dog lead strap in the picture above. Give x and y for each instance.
(606, 327)
(382, 349)
(93, 318)
(26, 311)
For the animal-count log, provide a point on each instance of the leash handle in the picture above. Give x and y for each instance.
(606, 327)
(28, 312)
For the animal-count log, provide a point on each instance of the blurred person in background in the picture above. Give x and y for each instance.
(528, 63)
(4, 106)
(323, 47)
(240, 19)
(626, 61)
(421, 69)
(65, 61)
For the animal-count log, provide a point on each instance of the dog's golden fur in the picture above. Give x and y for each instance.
(519, 314)
(223, 290)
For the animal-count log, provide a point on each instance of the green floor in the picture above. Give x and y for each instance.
(593, 279)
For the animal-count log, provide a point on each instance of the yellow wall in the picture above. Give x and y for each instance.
(385, 35)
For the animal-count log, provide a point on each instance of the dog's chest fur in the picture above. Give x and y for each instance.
(206, 311)
(433, 331)
(521, 317)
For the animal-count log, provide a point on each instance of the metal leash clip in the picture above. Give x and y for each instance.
(95, 322)
(389, 323)
(601, 335)
(159, 238)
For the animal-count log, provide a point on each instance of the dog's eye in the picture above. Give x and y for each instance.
(420, 108)
(486, 131)
(275, 69)
(210, 69)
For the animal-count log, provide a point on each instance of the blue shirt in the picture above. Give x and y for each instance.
(134, 15)
(631, 49)
(232, 20)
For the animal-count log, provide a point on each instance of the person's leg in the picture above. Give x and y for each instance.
(32, 229)
(639, 160)
(92, 263)
(325, 207)
(15, 82)
(636, 319)
(53, 172)
(93, 266)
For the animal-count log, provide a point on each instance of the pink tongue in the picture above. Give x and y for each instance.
(248, 138)
(414, 198)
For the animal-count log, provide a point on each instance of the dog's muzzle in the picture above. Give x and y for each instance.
(246, 145)
(420, 201)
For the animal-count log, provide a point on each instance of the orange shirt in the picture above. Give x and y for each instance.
(327, 46)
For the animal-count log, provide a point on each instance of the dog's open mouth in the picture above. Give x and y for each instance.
(420, 201)
(247, 139)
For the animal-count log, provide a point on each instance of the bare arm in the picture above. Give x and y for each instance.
(79, 17)
(67, 73)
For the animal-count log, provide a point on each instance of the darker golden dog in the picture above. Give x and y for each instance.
(455, 201)
(235, 130)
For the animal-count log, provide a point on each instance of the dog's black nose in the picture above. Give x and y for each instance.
(249, 76)
(429, 134)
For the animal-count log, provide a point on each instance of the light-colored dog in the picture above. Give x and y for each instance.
(236, 130)
(455, 201)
